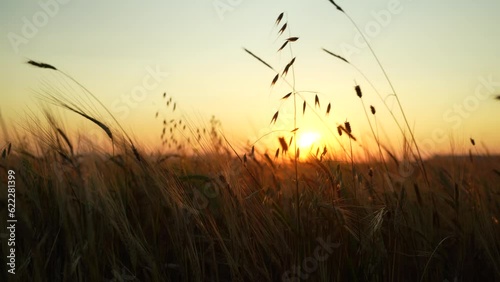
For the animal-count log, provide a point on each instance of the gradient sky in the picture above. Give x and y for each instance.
(437, 53)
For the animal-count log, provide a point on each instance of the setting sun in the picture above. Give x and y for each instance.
(307, 139)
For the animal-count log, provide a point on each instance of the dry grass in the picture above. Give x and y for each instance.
(205, 219)
(213, 216)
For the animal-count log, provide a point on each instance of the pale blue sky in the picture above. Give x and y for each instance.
(434, 52)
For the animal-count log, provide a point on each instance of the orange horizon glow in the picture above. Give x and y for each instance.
(149, 49)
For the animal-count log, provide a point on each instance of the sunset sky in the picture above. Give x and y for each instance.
(442, 57)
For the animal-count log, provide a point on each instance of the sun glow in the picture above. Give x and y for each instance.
(307, 139)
